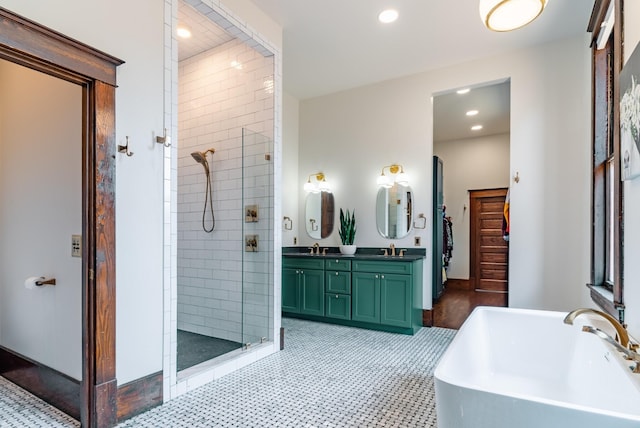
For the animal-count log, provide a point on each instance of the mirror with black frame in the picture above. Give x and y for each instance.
(394, 206)
(319, 214)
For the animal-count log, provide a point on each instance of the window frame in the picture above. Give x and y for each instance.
(606, 66)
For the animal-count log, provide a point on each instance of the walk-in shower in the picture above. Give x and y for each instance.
(201, 158)
(225, 286)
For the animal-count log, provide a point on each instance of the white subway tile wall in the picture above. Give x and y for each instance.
(220, 92)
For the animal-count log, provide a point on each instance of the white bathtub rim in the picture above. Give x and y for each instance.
(441, 376)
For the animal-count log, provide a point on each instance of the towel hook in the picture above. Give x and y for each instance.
(165, 140)
(125, 149)
(516, 178)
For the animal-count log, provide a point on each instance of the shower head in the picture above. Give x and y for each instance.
(201, 157)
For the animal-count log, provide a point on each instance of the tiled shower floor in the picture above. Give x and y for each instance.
(195, 348)
(327, 376)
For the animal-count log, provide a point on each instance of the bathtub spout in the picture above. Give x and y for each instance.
(622, 336)
(629, 354)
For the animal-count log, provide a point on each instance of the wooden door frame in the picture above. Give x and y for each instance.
(473, 220)
(39, 48)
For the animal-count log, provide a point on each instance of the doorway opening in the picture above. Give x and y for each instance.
(471, 140)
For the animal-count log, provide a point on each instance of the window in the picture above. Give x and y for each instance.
(606, 243)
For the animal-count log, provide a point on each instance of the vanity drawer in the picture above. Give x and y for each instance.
(337, 264)
(404, 268)
(337, 306)
(302, 263)
(337, 282)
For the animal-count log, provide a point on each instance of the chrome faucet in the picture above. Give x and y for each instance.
(629, 354)
(392, 247)
(622, 336)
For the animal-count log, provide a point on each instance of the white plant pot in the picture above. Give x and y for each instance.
(348, 250)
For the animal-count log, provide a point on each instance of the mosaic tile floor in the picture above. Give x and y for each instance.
(327, 376)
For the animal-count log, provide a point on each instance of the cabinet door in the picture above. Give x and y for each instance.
(312, 292)
(365, 297)
(338, 282)
(396, 298)
(290, 290)
(338, 306)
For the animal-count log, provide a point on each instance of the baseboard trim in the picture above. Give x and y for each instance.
(459, 284)
(52, 386)
(427, 317)
(139, 395)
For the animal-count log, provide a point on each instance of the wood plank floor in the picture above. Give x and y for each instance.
(455, 305)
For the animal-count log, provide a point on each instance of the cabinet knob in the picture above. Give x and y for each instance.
(382, 276)
(301, 271)
(336, 296)
(297, 271)
(336, 273)
(377, 276)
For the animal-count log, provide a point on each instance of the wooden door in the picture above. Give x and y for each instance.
(489, 257)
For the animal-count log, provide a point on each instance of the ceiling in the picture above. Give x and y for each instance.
(334, 45)
(450, 120)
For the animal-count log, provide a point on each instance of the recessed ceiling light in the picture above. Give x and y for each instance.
(472, 112)
(388, 16)
(463, 91)
(183, 32)
(476, 127)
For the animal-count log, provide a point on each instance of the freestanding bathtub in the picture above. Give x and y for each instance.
(522, 368)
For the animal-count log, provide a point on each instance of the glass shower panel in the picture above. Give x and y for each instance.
(257, 260)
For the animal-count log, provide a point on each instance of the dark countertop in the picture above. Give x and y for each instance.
(361, 254)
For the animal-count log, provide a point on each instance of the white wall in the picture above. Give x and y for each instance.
(469, 164)
(632, 198)
(216, 101)
(290, 201)
(40, 208)
(351, 135)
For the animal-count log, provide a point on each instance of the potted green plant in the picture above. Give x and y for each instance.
(347, 232)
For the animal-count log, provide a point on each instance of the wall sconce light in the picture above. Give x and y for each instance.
(400, 176)
(507, 15)
(319, 185)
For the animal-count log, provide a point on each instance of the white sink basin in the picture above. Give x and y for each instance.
(527, 369)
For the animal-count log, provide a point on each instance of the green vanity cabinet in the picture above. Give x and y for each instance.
(337, 282)
(369, 292)
(366, 297)
(303, 286)
(388, 293)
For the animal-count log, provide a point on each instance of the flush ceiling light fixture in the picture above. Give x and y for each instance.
(507, 15)
(476, 127)
(183, 32)
(472, 112)
(388, 16)
(320, 185)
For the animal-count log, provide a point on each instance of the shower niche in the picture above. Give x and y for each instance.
(224, 165)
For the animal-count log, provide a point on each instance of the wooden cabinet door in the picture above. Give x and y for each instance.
(365, 297)
(312, 292)
(290, 290)
(396, 299)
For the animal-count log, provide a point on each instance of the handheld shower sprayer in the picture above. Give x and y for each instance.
(201, 158)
